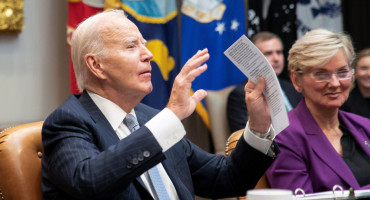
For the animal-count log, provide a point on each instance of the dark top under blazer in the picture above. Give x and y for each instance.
(357, 104)
(84, 159)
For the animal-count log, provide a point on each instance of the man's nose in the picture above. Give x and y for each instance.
(275, 56)
(147, 55)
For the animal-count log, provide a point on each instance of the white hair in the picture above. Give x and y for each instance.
(87, 38)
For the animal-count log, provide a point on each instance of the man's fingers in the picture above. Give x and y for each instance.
(199, 53)
(187, 79)
(261, 84)
(196, 72)
(195, 61)
(257, 88)
(181, 103)
(249, 86)
(199, 95)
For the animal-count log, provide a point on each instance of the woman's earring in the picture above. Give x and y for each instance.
(299, 90)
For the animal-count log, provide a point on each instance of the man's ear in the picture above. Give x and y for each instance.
(296, 81)
(94, 65)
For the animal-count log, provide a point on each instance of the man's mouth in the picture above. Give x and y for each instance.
(145, 72)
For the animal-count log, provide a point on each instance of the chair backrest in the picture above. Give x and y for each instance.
(216, 102)
(20, 162)
(230, 145)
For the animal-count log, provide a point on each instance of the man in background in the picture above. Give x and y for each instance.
(271, 46)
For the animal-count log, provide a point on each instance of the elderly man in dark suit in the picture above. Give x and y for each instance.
(94, 148)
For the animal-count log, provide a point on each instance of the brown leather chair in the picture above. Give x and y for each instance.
(230, 145)
(20, 162)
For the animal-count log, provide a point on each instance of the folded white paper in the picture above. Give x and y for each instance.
(249, 59)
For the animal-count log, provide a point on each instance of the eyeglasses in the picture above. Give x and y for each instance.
(326, 76)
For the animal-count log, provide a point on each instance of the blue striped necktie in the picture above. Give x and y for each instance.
(156, 179)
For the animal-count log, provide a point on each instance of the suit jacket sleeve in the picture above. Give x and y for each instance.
(220, 176)
(87, 164)
(84, 158)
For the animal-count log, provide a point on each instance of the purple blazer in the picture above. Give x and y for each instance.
(307, 159)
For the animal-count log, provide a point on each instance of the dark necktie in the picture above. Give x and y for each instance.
(156, 179)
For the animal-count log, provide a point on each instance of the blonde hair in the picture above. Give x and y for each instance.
(87, 38)
(317, 47)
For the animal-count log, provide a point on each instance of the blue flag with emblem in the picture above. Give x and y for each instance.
(212, 24)
(157, 22)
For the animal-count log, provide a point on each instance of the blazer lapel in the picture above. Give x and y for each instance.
(323, 148)
(98, 117)
(102, 124)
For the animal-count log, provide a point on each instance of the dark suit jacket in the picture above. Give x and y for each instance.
(237, 114)
(84, 159)
(308, 160)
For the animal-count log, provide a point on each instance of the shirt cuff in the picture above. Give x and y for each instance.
(166, 128)
(261, 144)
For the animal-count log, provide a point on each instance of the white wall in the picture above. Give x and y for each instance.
(34, 65)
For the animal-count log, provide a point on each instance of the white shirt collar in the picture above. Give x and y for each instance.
(110, 110)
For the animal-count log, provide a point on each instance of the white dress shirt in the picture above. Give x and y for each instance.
(173, 131)
(167, 134)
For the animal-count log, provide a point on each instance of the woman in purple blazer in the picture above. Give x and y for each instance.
(322, 146)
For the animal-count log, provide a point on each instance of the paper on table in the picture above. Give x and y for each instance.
(249, 59)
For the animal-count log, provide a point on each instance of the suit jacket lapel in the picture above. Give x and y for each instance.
(323, 148)
(103, 124)
(98, 117)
